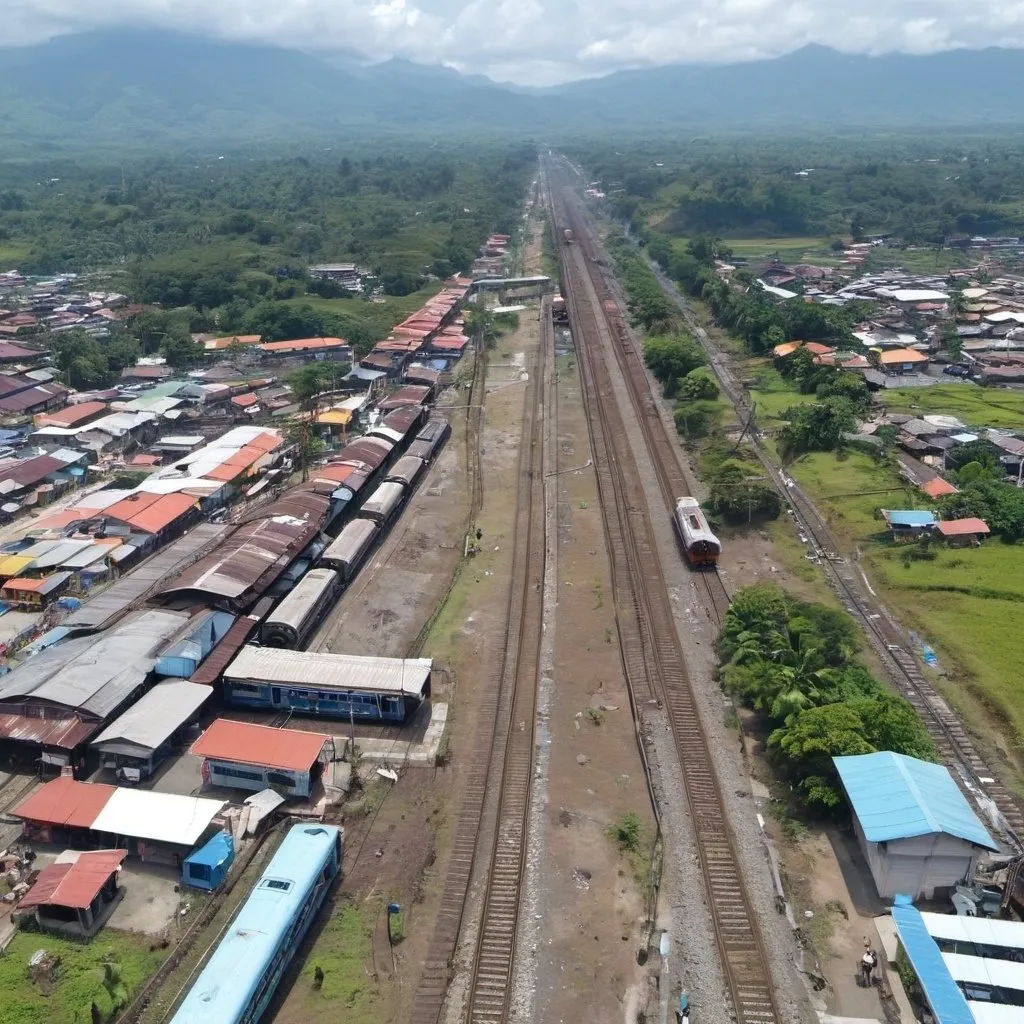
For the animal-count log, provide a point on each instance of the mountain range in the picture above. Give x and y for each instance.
(146, 88)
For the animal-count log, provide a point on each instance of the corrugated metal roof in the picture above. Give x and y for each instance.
(908, 517)
(74, 883)
(898, 797)
(941, 991)
(31, 471)
(66, 732)
(94, 674)
(252, 558)
(245, 743)
(331, 671)
(148, 723)
(158, 817)
(26, 585)
(962, 527)
(150, 512)
(220, 657)
(65, 801)
(103, 609)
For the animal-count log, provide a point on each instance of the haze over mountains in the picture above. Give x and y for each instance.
(144, 87)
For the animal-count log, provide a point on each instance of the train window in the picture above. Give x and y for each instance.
(277, 883)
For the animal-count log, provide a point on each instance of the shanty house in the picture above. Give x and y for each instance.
(76, 893)
(963, 532)
(908, 523)
(914, 826)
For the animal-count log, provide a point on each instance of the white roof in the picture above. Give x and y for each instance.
(149, 722)
(975, 293)
(980, 930)
(330, 671)
(159, 817)
(779, 293)
(67, 455)
(985, 971)
(1005, 316)
(914, 294)
(182, 440)
(155, 485)
(993, 1013)
(353, 404)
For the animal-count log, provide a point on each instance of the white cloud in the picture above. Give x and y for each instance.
(546, 41)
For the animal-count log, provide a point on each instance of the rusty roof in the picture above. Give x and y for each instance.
(241, 568)
(246, 743)
(370, 450)
(73, 414)
(74, 883)
(222, 655)
(66, 802)
(65, 733)
(31, 471)
(411, 394)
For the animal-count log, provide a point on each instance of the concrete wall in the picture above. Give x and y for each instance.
(920, 865)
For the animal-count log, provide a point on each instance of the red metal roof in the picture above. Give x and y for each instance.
(962, 527)
(245, 743)
(74, 884)
(937, 487)
(64, 801)
(31, 471)
(73, 414)
(150, 513)
(302, 344)
(244, 401)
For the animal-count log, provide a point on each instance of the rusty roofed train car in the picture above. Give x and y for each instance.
(702, 547)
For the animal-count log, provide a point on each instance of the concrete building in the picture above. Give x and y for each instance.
(915, 828)
(257, 757)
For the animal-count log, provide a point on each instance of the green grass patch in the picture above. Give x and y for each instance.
(975, 406)
(344, 952)
(773, 394)
(79, 981)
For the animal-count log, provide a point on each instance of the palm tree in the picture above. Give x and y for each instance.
(117, 990)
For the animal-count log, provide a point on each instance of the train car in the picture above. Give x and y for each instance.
(298, 614)
(382, 506)
(241, 976)
(346, 552)
(406, 471)
(702, 547)
(429, 440)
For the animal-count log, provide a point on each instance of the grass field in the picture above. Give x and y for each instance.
(975, 406)
(80, 980)
(773, 394)
(350, 991)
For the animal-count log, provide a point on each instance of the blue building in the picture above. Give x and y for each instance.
(916, 829)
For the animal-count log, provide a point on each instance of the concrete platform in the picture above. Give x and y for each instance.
(415, 747)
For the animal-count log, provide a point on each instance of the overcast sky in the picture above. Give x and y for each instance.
(541, 42)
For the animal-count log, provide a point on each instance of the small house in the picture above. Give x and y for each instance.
(908, 523)
(902, 360)
(77, 893)
(915, 828)
(937, 487)
(257, 757)
(963, 532)
(35, 595)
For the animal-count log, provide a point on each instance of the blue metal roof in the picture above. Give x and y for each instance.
(898, 797)
(214, 852)
(908, 517)
(944, 997)
(228, 982)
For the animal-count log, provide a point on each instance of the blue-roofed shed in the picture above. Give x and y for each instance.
(916, 828)
(908, 522)
(941, 992)
(208, 866)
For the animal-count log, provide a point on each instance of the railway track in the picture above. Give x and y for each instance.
(652, 658)
(501, 762)
(886, 636)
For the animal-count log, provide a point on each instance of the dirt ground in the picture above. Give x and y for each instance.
(592, 925)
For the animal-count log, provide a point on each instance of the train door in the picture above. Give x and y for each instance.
(275, 696)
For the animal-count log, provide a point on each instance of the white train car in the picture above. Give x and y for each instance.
(702, 547)
(299, 613)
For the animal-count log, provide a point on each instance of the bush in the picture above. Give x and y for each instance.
(627, 832)
(697, 385)
(670, 358)
(737, 498)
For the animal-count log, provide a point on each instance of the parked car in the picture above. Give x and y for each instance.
(957, 370)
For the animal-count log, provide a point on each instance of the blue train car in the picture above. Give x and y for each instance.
(329, 685)
(239, 979)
